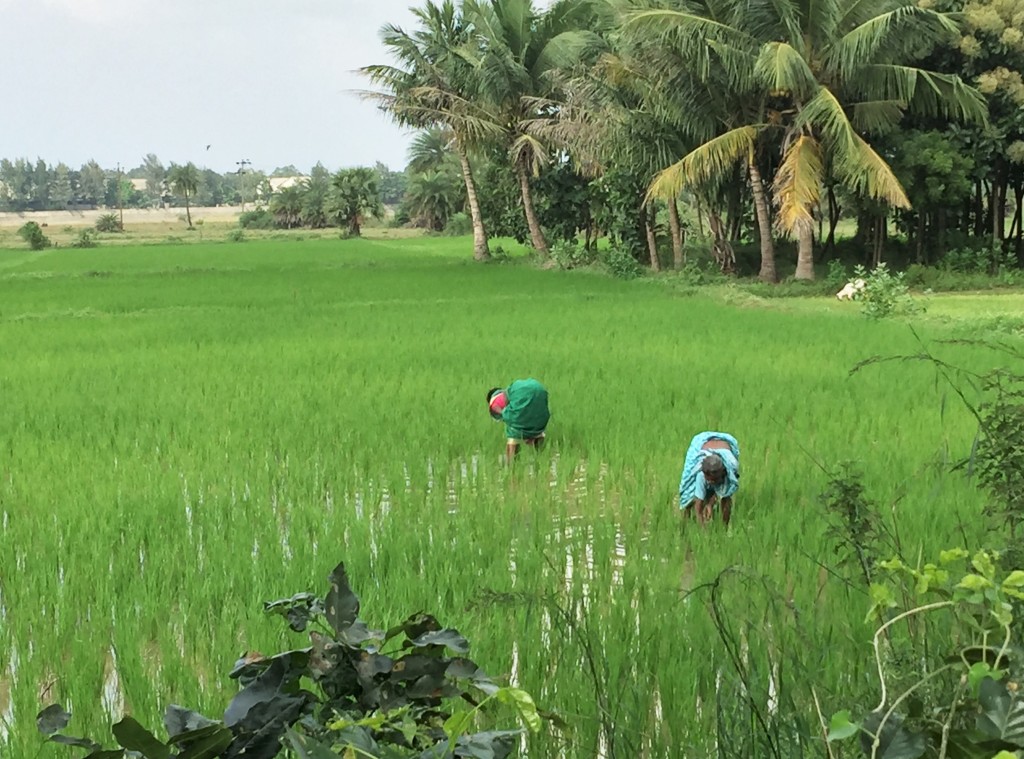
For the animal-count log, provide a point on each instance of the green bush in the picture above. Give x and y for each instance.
(85, 239)
(885, 294)
(108, 222)
(570, 255)
(236, 235)
(261, 218)
(32, 233)
(458, 225)
(620, 263)
(837, 276)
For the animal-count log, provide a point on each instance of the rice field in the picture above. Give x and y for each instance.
(187, 431)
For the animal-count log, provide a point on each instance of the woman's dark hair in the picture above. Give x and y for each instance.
(491, 393)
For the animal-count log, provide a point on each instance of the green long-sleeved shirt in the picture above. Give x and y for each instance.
(526, 414)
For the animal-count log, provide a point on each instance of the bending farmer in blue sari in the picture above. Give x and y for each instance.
(711, 472)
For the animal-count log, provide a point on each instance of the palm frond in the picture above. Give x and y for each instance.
(884, 32)
(781, 68)
(855, 162)
(876, 116)
(823, 113)
(529, 151)
(687, 27)
(867, 173)
(565, 50)
(797, 185)
(924, 92)
(714, 158)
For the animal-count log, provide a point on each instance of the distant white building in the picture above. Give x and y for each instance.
(282, 183)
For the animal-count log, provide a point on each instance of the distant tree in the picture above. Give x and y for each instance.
(6, 190)
(433, 197)
(354, 195)
(317, 190)
(261, 182)
(42, 179)
(185, 182)
(211, 190)
(433, 193)
(92, 183)
(62, 191)
(430, 149)
(286, 171)
(286, 206)
(392, 184)
(155, 174)
(17, 177)
(936, 175)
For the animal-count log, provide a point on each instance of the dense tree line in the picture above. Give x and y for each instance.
(764, 120)
(39, 186)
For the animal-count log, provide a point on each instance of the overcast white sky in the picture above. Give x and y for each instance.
(265, 80)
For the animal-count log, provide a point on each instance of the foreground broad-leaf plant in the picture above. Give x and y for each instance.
(949, 661)
(354, 692)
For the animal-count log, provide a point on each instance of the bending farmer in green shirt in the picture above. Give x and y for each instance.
(523, 407)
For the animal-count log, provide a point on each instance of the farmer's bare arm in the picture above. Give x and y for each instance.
(726, 510)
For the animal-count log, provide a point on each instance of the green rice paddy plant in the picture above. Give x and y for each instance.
(206, 424)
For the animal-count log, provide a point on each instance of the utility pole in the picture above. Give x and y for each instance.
(120, 200)
(241, 181)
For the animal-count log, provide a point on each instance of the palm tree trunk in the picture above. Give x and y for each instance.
(764, 226)
(481, 251)
(188, 211)
(678, 252)
(833, 218)
(920, 236)
(652, 240)
(805, 253)
(536, 233)
(1018, 194)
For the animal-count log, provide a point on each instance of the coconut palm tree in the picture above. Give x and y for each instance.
(830, 72)
(515, 49)
(184, 180)
(432, 85)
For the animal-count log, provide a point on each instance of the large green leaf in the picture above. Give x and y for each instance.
(184, 724)
(841, 727)
(71, 740)
(342, 605)
(52, 719)
(414, 626)
(894, 740)
(309, 748)
(1002, 714)
(135, 737)
(451, 639)
(209, 747)
(298, 609)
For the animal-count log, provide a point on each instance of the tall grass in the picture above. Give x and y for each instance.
(187, 431)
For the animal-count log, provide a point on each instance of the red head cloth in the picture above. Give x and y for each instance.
(498, 403)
